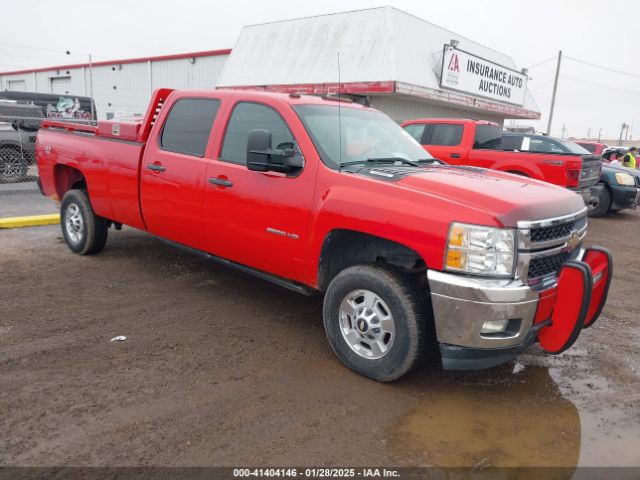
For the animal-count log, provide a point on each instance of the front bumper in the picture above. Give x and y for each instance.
(462, 305)
(589, 195)
(623, 196)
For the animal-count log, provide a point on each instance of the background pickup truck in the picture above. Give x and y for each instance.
(483, 144)
(416, 259)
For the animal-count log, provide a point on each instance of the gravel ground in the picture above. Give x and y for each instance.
(220, 368)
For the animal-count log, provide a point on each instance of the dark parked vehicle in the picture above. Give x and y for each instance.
(56, 106)
(621, 190)
(18, 129)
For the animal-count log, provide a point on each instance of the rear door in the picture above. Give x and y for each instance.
(172, 174)
(259, 219)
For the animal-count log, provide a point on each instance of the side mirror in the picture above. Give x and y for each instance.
(258, 143)
(262, 158)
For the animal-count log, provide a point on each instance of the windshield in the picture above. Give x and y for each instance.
(365, 134)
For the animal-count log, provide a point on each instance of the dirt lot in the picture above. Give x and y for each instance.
(223, 369)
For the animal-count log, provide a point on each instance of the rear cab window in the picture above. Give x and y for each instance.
(589, 147)
(247, 116)
(187, 127)
(487, 137)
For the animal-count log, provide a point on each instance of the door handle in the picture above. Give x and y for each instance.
(223, 182)
(454, 155)
(156, 168)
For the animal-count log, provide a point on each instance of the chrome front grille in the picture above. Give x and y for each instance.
(550, 265)
(544, 245)
(553, 232)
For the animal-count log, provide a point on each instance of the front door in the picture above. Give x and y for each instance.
(259, 219)
(172, 175)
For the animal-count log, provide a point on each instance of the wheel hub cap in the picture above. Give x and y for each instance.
(74, 224)
(366, 324)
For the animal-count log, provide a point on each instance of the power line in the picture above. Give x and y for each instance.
(608, 87)
(605, 68)
(61, 52)
(542, 62)
(541, 85)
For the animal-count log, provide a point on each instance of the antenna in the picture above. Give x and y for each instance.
(339, 114)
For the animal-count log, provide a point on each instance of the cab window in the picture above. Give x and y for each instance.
(446, 134)
(247, 116)
(487, 137)
(416, 130)
(188, 125)
(544, 145)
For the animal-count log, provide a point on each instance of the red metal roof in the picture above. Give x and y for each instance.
(178, 56)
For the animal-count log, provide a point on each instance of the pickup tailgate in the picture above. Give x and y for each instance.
(590, 170)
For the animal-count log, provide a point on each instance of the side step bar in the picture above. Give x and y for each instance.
(283, 282)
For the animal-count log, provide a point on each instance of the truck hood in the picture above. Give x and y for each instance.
(507, 197)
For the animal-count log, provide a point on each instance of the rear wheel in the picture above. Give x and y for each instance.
(374, 318)
(603, 205)
(13, 167)
(84, 232)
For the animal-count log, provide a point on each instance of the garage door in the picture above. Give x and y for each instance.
(61, 85)
(17, 85)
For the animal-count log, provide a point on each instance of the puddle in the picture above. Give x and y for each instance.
(495, 418)
(539, 412)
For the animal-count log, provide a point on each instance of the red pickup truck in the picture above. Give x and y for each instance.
(483, 144)
(415, 258)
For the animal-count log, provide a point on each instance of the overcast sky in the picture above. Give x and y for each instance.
(601, 32)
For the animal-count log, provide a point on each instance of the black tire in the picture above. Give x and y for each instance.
(603, 205)
(13, 166)
(91, 236)
(402, 294)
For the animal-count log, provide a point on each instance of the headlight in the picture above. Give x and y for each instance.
(625, 179)
(481, 250)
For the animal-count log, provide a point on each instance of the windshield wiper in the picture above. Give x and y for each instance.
(382, 160)
(430, 160)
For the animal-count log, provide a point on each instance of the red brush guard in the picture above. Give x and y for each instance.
(576, 302)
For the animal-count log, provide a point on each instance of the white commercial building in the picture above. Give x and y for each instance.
(396, 62)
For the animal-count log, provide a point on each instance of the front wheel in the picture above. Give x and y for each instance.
(84, 231)
(374, 318)
(603, 205)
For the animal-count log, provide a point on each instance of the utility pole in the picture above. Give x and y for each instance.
(91, 85)
(564, 129)
(555, 89)
(599, 134)
(589, 134)
(622, 129)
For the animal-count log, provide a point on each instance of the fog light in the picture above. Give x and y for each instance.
(494, 326)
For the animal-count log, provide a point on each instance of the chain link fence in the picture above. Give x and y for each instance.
(17, 147)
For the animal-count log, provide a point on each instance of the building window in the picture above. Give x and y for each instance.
(188, 126)
(248, 116)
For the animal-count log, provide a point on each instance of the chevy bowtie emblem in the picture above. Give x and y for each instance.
(574, 240)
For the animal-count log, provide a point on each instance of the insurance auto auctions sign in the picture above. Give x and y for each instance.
(464, 72)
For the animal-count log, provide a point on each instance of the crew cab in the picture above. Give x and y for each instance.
(483, 144)
(415, 258)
